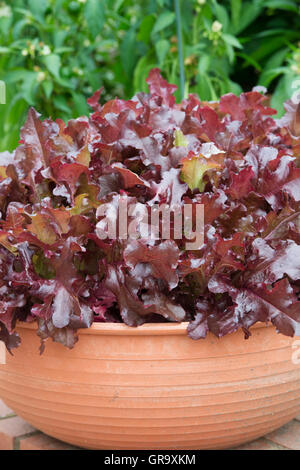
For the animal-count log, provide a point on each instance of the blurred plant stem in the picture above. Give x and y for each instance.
(180, 48)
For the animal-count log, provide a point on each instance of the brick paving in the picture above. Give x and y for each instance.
(16, 434)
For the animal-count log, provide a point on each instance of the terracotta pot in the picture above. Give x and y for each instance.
(152, 387)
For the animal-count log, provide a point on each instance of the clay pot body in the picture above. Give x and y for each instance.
(152, 387)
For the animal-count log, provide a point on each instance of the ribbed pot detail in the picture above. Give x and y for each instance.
(152, 387)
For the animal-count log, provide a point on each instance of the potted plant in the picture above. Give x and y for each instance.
(185, 326)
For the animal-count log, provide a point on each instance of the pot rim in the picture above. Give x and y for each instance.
(147, 329)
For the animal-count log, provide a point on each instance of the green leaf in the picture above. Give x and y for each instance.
(221, 14)
(94, 12)
(271, 67)
(268, 47)
(288, 5)
(42, 266)
(80, 104)
(278, 58)
(204, 64)
(233, 41)
(142, 69)
(38, 8)
(48, 88)
(74, 7)
(180, 139)
(28, 87)
(14, 76)
(249, 61)
(164, 20)
(62, 104)
(269, 75)
(53, 64)
(59, 37)
(193, 170)
(128, 51)
(282, 93)
(162, 48)
(61, 50)
(145, 28)
(235, 12)
(5, 23)
(234, 88)
(249, 12)
(273, 32)
(16, 110)
(230, 52)
(117, 4)
(205, 88)
(18, 27)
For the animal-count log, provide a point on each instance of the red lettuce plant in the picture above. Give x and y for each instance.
(231, 156)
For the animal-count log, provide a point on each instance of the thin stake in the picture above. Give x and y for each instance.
(180, 48)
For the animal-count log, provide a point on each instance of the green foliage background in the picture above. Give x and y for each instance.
(56, 53)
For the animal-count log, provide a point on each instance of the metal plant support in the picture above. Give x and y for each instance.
(180, 48)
